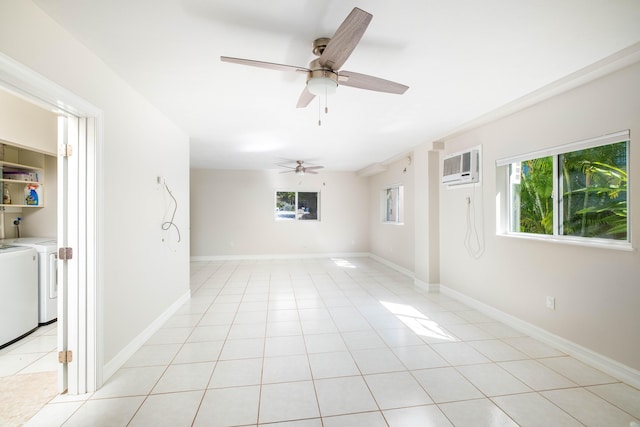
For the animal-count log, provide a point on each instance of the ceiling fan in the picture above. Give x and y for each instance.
(324, 74)
(299, 169)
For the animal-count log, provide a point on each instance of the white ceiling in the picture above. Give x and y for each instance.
(461, 59)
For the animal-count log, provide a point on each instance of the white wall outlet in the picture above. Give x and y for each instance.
(551, 303)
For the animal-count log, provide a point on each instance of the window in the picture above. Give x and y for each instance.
(292, 206)
(574, 192)
(393, 204)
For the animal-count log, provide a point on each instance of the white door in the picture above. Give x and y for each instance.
(67, 127)
(72, 374)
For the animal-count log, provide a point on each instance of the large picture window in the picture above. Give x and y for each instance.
(577, 191)
(393, 204)
(297, 206)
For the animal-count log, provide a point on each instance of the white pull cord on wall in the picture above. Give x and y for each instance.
(474, 240)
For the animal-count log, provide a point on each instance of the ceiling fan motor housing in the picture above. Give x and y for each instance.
(319, 45)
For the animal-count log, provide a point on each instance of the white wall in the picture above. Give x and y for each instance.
(141, 276)
(597, 291)
(23, 124)
(232, 214)
(393, 242)
(42, 222)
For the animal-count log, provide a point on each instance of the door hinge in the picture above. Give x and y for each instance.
(66, 150)
(65, 254)
(65, 356)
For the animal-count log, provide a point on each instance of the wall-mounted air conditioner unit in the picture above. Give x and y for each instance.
(461, 168)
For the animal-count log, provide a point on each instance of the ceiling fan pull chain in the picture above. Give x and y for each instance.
(326, 101)
(319, 114)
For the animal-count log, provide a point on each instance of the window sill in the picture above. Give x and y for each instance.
(600, 243)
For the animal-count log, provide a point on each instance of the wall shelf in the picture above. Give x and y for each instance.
(16, 186)
(18, 166)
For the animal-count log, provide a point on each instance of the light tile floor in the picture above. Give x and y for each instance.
(34, 353)
(336, 343)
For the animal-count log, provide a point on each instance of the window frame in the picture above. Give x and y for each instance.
(504, 208)
(399, 204)
(296, 213)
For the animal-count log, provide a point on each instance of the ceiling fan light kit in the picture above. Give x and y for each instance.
(323, 75)
(322, 82)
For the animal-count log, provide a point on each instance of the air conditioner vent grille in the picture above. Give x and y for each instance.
(461, 168)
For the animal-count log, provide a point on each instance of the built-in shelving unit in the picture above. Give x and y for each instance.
(15, 177)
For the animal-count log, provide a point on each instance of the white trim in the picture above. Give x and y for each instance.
(278, 256)
(616, 369)
(295, 217)
(503, 209)
(589, 242)
(399, 205)
(427, 287)
(121, 358)
(611, 138)
(372, 169)
(69, 235)
(392, 265)
(23, 81)
(612, 63)
(94, 326)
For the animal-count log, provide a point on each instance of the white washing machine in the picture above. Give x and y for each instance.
(47, 274)
(18, 293)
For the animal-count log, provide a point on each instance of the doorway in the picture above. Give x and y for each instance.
(78, 328)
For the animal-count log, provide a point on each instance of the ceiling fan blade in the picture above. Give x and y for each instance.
(262, 64)
(288, 171)
(306, 170)
(345, 39)
(310, 168)
(305, 98)
(363, 81)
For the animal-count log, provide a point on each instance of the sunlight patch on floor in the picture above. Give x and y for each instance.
(418, 322)
(342, 263)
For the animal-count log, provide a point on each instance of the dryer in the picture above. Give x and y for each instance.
(46, 247)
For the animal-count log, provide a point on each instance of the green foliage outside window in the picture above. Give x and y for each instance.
(595, 192)
(592, 184)
(536, 196)
(286, 200)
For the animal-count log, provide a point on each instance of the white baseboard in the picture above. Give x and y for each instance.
(392, 265)
(615, 369)
(422, 285)
(120, 359)
(279, 256)
(427, 287)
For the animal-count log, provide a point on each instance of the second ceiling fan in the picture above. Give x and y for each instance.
(324, 73)
(299, 169)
